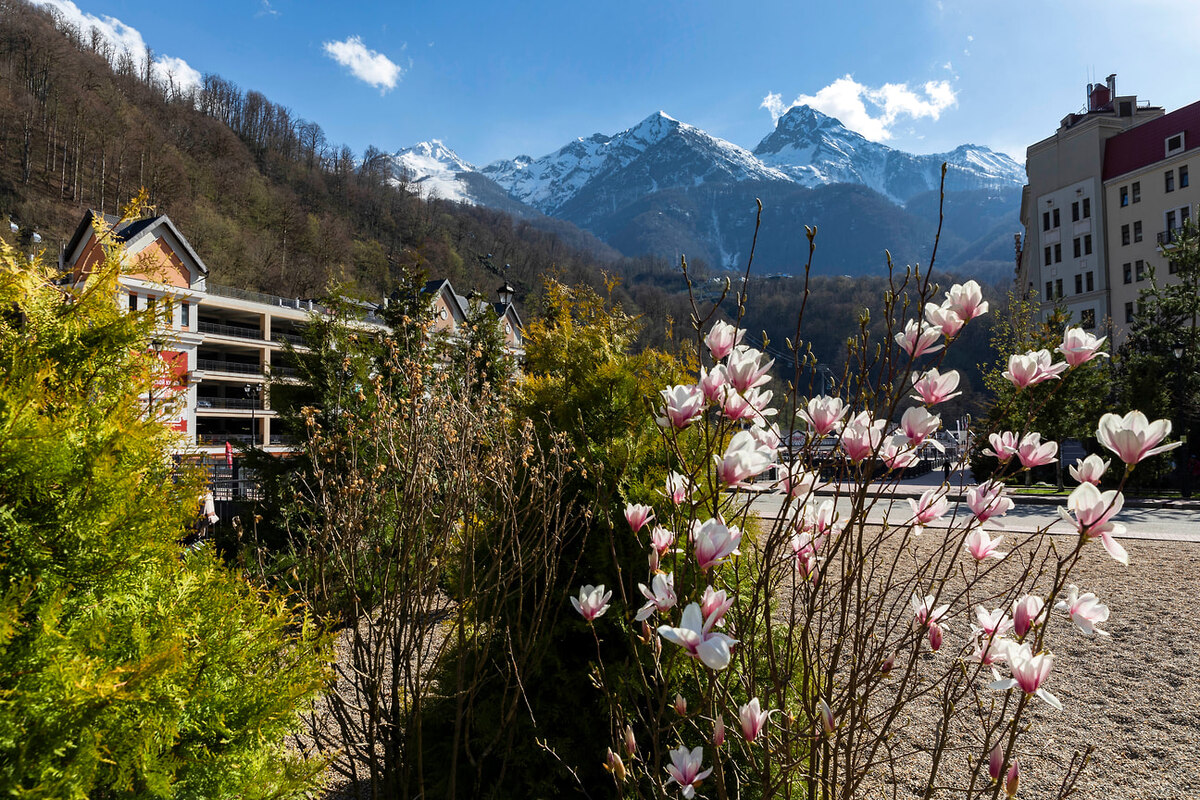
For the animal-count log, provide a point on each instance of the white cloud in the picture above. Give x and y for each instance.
(368, 66)
(265, 10)
(167, 70)
(871, 111)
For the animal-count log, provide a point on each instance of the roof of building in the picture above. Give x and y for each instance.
(1144, 145)
(127, 231)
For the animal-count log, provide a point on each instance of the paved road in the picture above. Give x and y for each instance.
(1160, 523)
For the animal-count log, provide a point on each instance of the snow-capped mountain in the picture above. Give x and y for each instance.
(814, 149)
(658, 153)
(433, 169)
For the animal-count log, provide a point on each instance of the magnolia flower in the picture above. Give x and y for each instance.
(823, 414)
(722, 338)
(862, 436)
(592, 601)
(1033, 452)
(1079, 347)
(660, 596)
(614, 764)
(1029, 672)
(1028, 611)
(678, 488)
(713, 383)
(1133, 437)
(827, 721)
(746, 369)
(898, 453)
(630, 742)
(1004, 446)
(680, 704)
(683, 405)
(766, 435)
(987, 500)
(918, 424)
(993, 623)
(966, 300)
(753, 719)
(798, 481)
(933, 387)
(924, 613)
(1091, 512)
(820, 522)
(935, 637)
(1032, 368)
(713, 606)
(661, 539)
(996, 762)
(944, 319)
(917, 341)
(638, 515)
(981, 546)
(718, 738)
(1085, 610)
(714, 542)
(711, 649)
(929, 508)
(988, 650)
(1012, 781)
(744, 459)
(1090, 469)
(736, 406)
(806, 554)
(684, 769)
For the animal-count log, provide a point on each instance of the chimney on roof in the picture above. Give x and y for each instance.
(1112, 85)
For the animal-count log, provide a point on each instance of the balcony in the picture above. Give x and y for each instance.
(229, 330)
(293, 338)
(233, 403)
(1170, 237)
(219, 438)
(266, 299)
(231, 367)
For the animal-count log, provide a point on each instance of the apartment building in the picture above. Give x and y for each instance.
(220, 345)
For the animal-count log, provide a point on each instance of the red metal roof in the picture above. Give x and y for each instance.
(1146, 144)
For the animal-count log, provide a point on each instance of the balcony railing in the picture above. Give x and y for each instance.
(283, 372)
(234, 367)
(283, 439)
(294, 338)
(1170, 236)
(229, 330)
(237, 403)
(222, 438)
(268, 299)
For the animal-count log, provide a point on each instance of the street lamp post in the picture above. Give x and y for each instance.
(1183, 458)
(252, 393)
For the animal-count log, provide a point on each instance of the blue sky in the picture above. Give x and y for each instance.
(495, 80)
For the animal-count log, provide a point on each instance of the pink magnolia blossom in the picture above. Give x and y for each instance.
(931, 507)
(898, 453)
(987, 500)
(766, 434)
(744, 459)
(746, 368)
(1032, 368)
(935, 636)
(678, 488)
(1004, 446)
(798, 481)
(944, 319)
(722, 338)
(711, 649)
(993, 623)
(862, 436)
(1033, 452)
(753, 719)
(996, 762)
(719, 731)
(638, 515)
(1028, 612)
(1079, 347)
(1085, 610)
(680, 705)
(924, 612)
(614, 764)
(1133, 437)
(823, 414)
(981, 546)
(684, 769)
(630, 742)
(1029, 672)
(1091, 512)
(713, 383)
(917, 340)
(592, 601)
(934, 387)
(713, 605)
(1090, 469)
(661, 539)
(714, 542)
(682, 404)
(828, 723)
(966, 300)
(660, 596)
(737, 407)
(988, 650)
(820, 522)
(1012, 781)
(805, 552)
(918, 425)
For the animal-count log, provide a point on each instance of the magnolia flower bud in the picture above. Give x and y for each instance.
(719, 731)
(630, 742)
(935, 637)
(827, 721)
(680, 705)
(888, 664)
(1013, 780)
(995, 762)
(615, 765)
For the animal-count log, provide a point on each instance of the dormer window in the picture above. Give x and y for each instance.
(1175, 144)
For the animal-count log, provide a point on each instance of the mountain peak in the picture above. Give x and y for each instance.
(430, 153)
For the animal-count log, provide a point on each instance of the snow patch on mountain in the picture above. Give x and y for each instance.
(433, 170)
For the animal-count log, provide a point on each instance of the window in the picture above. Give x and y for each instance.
(1049, 290)
(1137, 191)
(1127, 269)
(1124, 196)
(1075, 211)
(149, 302)
(1183, 177)
(1046, 261)
(1169, 180)
(1087, 245)
(1139, 270)
(1058, 288)
(1172, 266)
(1087, 207)
(1057, 253)
(132, 301)
(1045, 220)
(1174, 143)
(1124, 234)
(1091, 283)
(1129, 312)
(1087, 318)
(1078, 284)
(1078, 245)
(1056, 222)
(1171, 220)
(1137, 231)
(185, 315)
